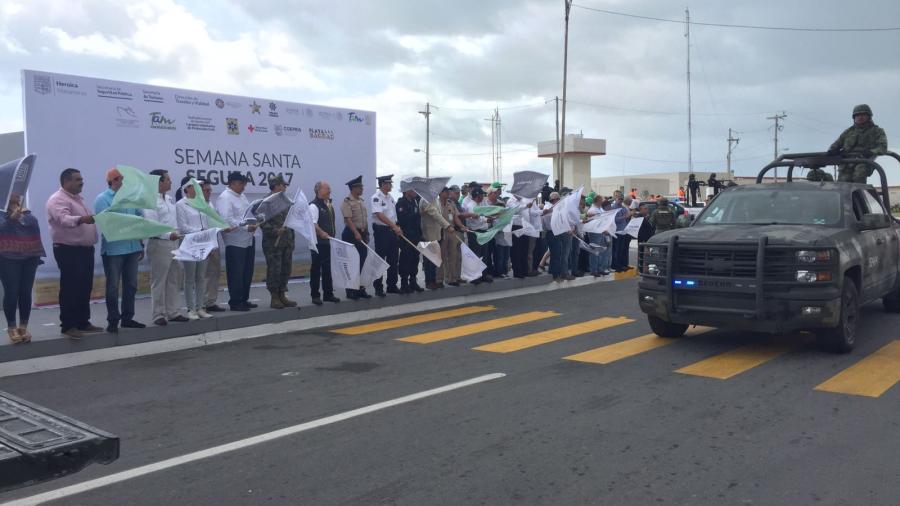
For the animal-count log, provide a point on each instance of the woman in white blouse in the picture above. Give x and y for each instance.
(191, 220)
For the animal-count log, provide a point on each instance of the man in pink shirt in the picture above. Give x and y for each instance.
(74, 234)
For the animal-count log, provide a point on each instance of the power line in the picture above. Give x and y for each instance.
(484, 154)
(664, 113)
(685, 161)
(748, 27)
(483, 109)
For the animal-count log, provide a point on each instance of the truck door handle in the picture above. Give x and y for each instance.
(879, 241)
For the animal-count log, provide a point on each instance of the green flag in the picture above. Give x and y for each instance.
(138, 190)
(502, 217)
(199, 203)
(123, 227)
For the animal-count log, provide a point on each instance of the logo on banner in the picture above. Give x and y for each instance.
(159, 121)
(295, 111)
(43, 84)
(273, 110)
(254, 108)
(126, 117)
(354, 117)
(220, 103)
(256, 128)
(321, 134)
(200, 123)
(232, 125)
(308, 112)
(152, 97)
(68, 88)
(287, 130)
(114, 92)
(193, 100)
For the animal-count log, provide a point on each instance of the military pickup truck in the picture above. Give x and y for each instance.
(778, 257)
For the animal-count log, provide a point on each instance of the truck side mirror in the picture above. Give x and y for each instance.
(874, 222)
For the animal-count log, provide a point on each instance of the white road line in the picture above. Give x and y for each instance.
(241, 444)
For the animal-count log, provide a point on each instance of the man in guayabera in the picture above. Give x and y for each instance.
(864, 139)
(663, 218)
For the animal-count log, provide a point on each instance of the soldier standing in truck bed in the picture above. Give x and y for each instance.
(864, 139)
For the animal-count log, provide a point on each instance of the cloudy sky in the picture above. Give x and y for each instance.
(626, 75)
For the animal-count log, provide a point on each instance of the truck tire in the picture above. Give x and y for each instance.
(663, 328)
(891, 302)
(842, 338)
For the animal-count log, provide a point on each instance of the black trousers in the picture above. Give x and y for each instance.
(519, 255)
(18, 280)
(320, 272)
(347, 236)
(239, 272)
(76, 280)
(387, 247)
(693, 194)
(408, 263)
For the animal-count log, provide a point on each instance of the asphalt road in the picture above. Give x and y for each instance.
(554, 430)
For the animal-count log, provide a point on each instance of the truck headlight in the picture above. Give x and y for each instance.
(813, 276)
(653, 269)
(655, 252)
(813, 256)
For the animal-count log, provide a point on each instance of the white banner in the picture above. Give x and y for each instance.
(196, 246)
(603, 222)
(431, 250)
(566, 214)
(344, 265)
(299, 220)
(94, 124)
(472, 266)
(634, 226)
(373, 268)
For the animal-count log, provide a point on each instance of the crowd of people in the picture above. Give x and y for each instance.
(182, 291)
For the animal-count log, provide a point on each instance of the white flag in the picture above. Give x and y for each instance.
(373, 268)
(431, 250)
(603, 222)
(344, 265)
(472, 266)
(566, 214)
(634, 226)
(593, 249)
(196, 246)
(299, 219)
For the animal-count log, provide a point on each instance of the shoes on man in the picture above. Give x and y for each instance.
(131, 324)
(251, 305)
(203, 314)
(431, 286)
(487, 279)
(215, 308)
(353, 294)
(73, 334)
(93, 329)
(393, 289)
(416, 288)
(180, 319)
(161, 322)
(363, 295)
(192, 315)
(239, 307)
(569, 277)
(331, 298)
(317, 301)
(454, 283)
(605, 273)
(276, 300)
(286, 301)
(381, 293)
(113, 327)
(533, 274)
(440, 284)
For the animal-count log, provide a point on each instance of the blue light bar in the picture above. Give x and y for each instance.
(691, 283)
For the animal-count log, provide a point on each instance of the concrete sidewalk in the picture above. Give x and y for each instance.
(48, 342)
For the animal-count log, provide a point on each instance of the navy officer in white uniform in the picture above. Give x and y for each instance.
(386, 232)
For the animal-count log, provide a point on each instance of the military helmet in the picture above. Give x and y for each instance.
(862, 109)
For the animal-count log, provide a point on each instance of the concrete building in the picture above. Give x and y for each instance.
(662, 183)
(576, 170)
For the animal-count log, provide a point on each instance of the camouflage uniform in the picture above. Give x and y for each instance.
(278, 257)
(663, 218)
(860, 141)
(817, 174)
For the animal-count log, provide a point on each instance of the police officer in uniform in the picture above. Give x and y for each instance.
(864, 139)
(322, 213)
(663, 218)
(387, 233)
(409, 219)
(356, 229)
(693, 189)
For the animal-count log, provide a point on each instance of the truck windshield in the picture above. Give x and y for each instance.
(772, 208)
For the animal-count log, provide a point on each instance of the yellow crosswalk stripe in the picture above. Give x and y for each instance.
(412, 320)
(870, 377)
(630, 347)
(734, 362)
(474, 328)
(548, 336)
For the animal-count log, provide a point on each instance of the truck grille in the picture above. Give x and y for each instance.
(731, 263)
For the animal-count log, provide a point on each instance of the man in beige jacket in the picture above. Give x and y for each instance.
(434, 227)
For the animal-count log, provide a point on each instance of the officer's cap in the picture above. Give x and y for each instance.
(476, 191)
(384, 179)
(357, 181)
(454, 188)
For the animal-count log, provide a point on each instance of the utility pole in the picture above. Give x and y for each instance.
(493, 120)
(427, 114)
(687, 35)
(556, 158)
(562, 152)
(499, 175)
(735, 141)
(778, 127)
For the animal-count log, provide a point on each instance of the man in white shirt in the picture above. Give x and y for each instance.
(191, 220)
(477, 223)
(240, 245)
(386, 233)
(165, 271)
(213, 263)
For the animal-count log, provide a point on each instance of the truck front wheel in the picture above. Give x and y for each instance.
(841, 338)
(663, 328)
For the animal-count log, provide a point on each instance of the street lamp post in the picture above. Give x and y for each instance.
(562, 153)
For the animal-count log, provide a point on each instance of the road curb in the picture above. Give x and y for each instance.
(124, 351)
